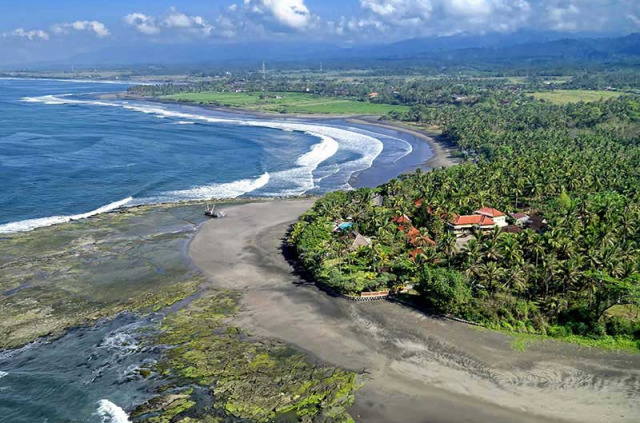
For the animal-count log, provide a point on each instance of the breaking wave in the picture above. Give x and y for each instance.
(332, 140)
(3, 374)
(225, 190)
(111, 413)
(31, 224)
(304, 175)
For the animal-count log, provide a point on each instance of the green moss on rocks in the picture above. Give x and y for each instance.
(77, 273)
(248, 378)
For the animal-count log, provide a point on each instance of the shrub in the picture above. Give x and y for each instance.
(447, 291)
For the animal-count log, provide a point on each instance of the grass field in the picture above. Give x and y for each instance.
(574, 96)
(287, 103)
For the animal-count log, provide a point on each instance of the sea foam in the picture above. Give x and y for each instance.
(111, 413)
(220, 191)
(365, 146)
(296, 180)
(31, 224)
(3, 374)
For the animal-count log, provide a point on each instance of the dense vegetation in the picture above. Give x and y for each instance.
(576, 165)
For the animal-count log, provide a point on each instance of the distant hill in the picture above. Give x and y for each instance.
(464, 48)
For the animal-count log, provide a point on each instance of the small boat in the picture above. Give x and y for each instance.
(212, 212)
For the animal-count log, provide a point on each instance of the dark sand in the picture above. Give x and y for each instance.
(416, 368)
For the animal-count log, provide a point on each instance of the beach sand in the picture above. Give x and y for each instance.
(414, 368)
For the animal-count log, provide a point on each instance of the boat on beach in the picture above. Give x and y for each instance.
(213, 212)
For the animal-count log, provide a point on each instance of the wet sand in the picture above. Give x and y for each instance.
(414, 368)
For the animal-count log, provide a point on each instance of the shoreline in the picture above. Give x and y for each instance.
(414, 367)
(439, 155)
(441, 151)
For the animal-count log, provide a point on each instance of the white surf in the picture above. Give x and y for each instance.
(214, 191)
(31, 224)
(111, 413)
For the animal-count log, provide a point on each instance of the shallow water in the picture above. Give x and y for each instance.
(88, 375)
(69, 155)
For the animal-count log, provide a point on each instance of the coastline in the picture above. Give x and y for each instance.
(442, 151)
(426, 153)
(413, 367)
(440, 155)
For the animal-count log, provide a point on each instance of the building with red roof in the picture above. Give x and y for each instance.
(466, 223)
(496, 215)
(401, 219)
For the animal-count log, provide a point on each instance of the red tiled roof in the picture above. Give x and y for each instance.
(488, 211)
(401, 219)
(519, 216)
(413, 254)
(419, 202)
(426, 240)
(413, 232)
(474, 219)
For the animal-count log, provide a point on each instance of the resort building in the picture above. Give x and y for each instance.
(497, 216)
(463, 224)
(401, 220)
(484, 219)
(521, 219)
(358, 241)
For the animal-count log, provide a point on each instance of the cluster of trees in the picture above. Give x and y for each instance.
(577, 165)
(396, 90)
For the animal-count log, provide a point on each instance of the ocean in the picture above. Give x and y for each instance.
(67, 154)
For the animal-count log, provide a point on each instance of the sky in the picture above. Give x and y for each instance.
(54, 29)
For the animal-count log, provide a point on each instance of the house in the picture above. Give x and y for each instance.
(377, 201)
(372, 95)
(511, 229)
(358, 241)
(414, 253)
(537, 223)
(463, 224)
(401, 220)
(521, 219)
(497, 216)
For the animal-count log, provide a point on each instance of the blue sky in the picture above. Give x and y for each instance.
(50, 29)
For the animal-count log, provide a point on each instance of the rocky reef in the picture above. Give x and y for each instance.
(134, 260)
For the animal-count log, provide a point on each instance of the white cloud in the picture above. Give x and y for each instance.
(175, 20)
(194, 24)
(142, 23)
(411, 18)
(34, 34)
(564, 18)
(98, 28)
(281, 14)
(399, 10)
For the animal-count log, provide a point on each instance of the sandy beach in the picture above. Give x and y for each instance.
(414, 368)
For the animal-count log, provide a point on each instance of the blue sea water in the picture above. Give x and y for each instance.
(66, 152)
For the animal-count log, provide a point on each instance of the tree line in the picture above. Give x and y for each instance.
(577, 166)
